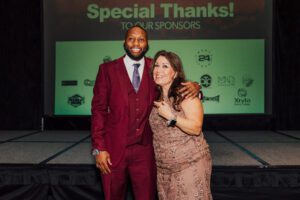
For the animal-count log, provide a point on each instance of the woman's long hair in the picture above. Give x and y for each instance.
(176, 64)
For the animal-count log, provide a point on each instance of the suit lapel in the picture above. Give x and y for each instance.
(121, 75)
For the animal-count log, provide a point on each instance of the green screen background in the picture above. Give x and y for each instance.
(236, 69)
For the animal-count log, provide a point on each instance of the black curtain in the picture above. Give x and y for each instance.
(21, 70)
(287, 65)
(21, 66)
(83, 182)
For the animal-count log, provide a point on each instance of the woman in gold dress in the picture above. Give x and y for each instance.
(182, 155)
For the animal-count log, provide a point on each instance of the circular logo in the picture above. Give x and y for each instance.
(106, 59)
(205, 80)
(204, 57)
(242, 92)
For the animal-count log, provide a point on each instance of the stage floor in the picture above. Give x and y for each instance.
(58, 165)
(228, 148)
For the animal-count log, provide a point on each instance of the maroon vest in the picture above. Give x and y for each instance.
(138, 110)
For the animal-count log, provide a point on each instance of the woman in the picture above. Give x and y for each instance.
(182, 155)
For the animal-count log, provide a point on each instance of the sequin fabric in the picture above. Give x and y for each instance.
(183, 162)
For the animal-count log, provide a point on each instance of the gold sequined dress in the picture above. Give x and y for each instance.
(183, 162)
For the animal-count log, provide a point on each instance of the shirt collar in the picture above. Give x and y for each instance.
(130, 62)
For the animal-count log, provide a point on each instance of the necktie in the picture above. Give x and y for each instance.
(136, 77)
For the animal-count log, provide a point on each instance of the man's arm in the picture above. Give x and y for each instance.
(99, 110)
(99, 114)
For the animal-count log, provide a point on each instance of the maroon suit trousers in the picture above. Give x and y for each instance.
(138, 164)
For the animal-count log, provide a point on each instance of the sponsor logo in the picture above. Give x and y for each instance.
(106, 59)
(88, 82)
(242, 92)
(215, 98)
(242, 98)
(76, 100)
(205, 80)
(204, 58)
(69, 83)
(226, 81)
(247, 80)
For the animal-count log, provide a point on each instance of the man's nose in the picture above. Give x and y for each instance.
(135, 42)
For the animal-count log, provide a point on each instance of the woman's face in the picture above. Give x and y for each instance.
(163, 72)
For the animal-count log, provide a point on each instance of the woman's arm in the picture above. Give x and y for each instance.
(193, 120)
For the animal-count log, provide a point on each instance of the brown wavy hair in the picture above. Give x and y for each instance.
(176, 64)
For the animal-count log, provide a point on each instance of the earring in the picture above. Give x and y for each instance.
(175, 75)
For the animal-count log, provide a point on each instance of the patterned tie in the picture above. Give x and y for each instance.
(136, 77)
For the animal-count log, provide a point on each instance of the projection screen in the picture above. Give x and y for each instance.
(226, 46)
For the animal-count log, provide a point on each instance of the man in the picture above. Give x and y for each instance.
(121, 135)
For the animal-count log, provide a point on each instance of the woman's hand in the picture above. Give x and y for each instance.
(164, 109)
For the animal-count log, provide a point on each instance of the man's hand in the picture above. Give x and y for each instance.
(103, 162)
(190, 89)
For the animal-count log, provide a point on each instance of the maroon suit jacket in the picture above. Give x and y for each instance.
(110, 108)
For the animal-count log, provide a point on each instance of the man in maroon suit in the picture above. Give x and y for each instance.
(121, 135)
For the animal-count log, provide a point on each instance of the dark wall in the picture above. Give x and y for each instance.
(21, 68)
(287, 65)
(21, 71)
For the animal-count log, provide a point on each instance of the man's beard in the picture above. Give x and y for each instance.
(133, 57)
